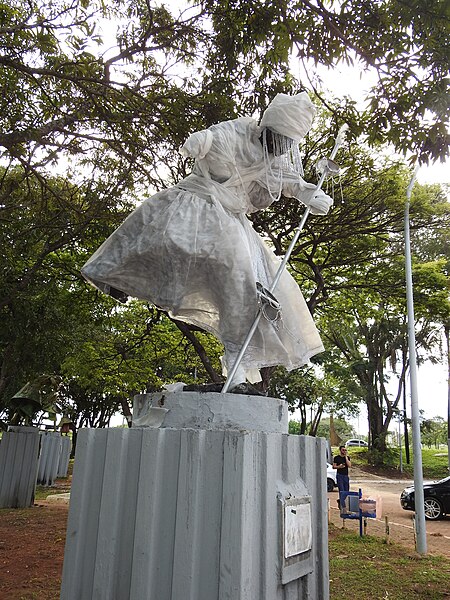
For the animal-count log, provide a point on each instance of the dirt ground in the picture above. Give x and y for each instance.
(32, 540)
(31, 552)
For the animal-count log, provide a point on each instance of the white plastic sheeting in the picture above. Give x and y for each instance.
(192, 251)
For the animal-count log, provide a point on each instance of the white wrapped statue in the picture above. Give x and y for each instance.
(192, 251)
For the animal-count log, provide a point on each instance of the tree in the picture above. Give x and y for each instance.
(350, 267)
(43, 303)
(433, 431)
(132, 349)
(370, 334)
(88, 406)
(63, 98)
(111, 120)
(310, 395)
(404, 42)
(64, 95)
(434, 249)
(301, 390)
(343, 429)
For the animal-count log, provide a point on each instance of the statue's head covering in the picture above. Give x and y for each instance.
(290, 116)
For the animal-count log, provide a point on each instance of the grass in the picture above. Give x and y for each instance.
(42, 491)
(434, 462)
(368, 568)
(62, 484)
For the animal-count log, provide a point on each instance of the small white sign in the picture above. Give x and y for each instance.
(297, 528)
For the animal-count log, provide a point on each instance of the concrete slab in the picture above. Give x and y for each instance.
(210, 411)
(59, 498)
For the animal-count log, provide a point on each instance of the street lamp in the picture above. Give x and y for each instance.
(421, 539)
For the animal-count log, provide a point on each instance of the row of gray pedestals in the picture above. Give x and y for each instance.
(29, 456)
(206, 497)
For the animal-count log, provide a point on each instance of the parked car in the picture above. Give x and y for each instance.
(331, 478)
(436, 499)
(355, 443)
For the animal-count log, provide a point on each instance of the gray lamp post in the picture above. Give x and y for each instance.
(421, 539)
(447, 337)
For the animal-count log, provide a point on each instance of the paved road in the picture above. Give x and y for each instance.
(400, 521)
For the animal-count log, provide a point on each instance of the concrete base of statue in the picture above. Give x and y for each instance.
(215, 501)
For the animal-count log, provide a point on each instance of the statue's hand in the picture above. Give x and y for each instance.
(318, 202)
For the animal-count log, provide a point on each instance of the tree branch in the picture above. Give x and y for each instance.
(190, 335)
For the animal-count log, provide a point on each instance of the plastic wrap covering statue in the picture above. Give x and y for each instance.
(192, 251)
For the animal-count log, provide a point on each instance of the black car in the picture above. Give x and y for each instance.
(436, 499)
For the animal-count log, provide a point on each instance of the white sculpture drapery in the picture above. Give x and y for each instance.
(192, 251)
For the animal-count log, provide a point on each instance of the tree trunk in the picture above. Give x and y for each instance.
(266, 373)
(7, 364)
(376, 426)
(73, 429)
(185, 329)
(126, 410)
(335, 440)
(316, 420)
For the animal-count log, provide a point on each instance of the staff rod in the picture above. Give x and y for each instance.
(326, 171)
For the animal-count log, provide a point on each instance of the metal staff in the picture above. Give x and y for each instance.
(326, 171)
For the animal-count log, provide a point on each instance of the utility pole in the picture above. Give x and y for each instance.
(405, 423)
(400, 439)
(447, 338)
(421, 539)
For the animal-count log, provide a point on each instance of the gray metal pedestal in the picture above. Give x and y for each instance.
(197, 514)
(19, 459)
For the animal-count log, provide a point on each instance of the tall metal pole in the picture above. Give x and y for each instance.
(421, 534)
(447, 338)
(405, 420)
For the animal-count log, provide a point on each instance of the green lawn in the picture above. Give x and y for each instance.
(434, 461)
(369, 569)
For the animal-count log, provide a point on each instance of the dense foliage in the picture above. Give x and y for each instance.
(97, 98)
(108, 82)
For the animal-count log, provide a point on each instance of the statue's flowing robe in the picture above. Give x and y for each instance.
(192, 251)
